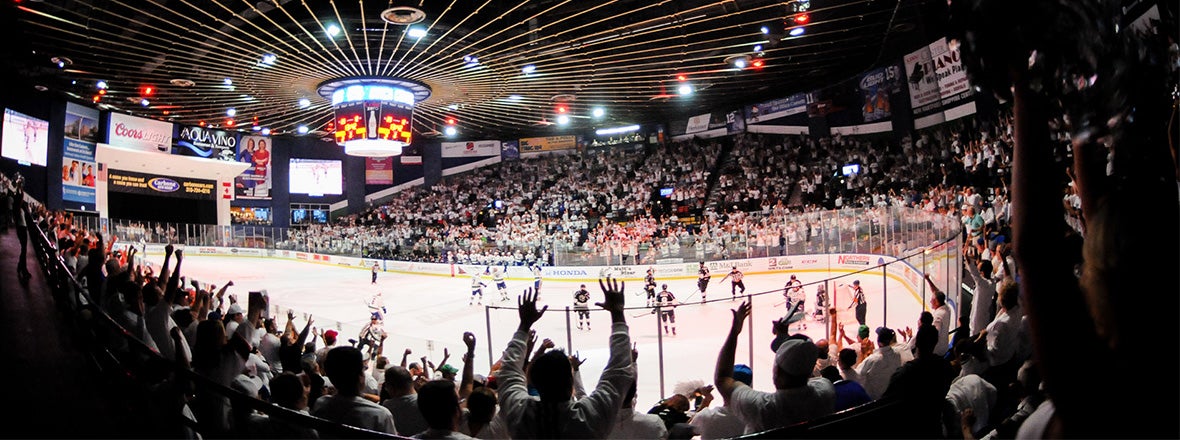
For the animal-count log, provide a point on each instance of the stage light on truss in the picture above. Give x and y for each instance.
(684, 90)
(333, 30)
(598, 112)
(765, 30)
(563, 119)
(302, 129)
(450, 131)
(101, 85)
(416, 32)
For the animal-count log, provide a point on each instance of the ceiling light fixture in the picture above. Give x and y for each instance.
(684, 90)
(416, 32)
(563, 119)
(528, 69)
(333, 30)
(231, 112)
(797, 31)
(269, 59)
(304, 103)
(450, 131)
(302, 129)
(598, 112)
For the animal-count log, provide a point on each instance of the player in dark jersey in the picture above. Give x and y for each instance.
(703, 278)
(582, 306)
(667, 305)
(649, 286)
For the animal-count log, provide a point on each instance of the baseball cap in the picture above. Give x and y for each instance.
(233, 308)
(862, 331)
(743, 374)
(885, 334)
(330, 334)
(448, 368)
(796, 357)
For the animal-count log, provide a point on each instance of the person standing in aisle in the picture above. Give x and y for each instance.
(582, 306)
(859, 302)
(477, 286)
(703, 278)
(374, 280)
(649, 286)
(667, 306)
(736, 276)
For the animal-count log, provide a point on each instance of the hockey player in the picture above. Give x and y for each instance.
(649, 286)
(703, 278)
(667, 305)
(536, 277)
(374, 280)
(736, 276)
(377, 305)
(582, 306)
(373, 336)
(821, 304)
(793, 292)
(501, 285)
(477, 286)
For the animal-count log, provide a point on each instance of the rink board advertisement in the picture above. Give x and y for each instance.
(833, 264)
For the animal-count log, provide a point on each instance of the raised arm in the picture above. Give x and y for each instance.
(174, 281)
(466, 384)
(723, 373)
(606, 399)
(162, 281)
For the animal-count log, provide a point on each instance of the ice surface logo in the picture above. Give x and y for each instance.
(163, 184)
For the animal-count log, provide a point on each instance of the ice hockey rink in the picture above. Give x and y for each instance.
(429, 313)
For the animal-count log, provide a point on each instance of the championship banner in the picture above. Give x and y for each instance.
(778, 108)
(948, 67)
(255, 182)
(697, 124)
(155, 185)
(378, 171)
(735, 122)
(206, 142)
(470, 149)
(922, 80)
(140, 134)
(875, 87)
(78, 168)
(549, 143)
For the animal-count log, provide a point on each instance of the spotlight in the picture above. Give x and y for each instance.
(740, 63)
(450, 131)
(229, 82)
(681, 78)
(144, 102)
(685, 90)
(765, 30)
(269, 59)
(758, 64)
(528, 69)
(598, 112)
(304, 103)
(453, 107)
(802, 18)
(101, 85)
(757, 48)
(515, 97)
(229, 122)
(471, 60)
(231, 112)
(333, 30)
(451, 121)
(266, 132)
(256, 128)
(302, 129)
(202, 123)
(416, 32)
(563, 119)
(797, 31)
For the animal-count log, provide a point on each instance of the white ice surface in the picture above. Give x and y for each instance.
(429, 313)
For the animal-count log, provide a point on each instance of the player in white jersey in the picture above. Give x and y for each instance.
(536, 277)
(477, 286)
(501, 285)
(377, 305)
(667, 305)
(736, 276)
(582, 306)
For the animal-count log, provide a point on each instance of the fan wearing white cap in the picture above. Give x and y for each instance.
(797, 398)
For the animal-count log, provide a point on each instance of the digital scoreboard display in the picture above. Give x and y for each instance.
(374, 120)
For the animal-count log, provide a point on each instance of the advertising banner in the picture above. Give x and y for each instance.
(470, 149)
(140, 134)
(378, 171)
(509, 150)
(778, 108)
(948, 67)
(548, 143)
(206, 143)
(155, 185)
(78, 169)
(255, 182)
(875, 86)
(412, 155)
(922, 80)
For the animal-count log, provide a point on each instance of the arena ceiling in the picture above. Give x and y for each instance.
(627, 57)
